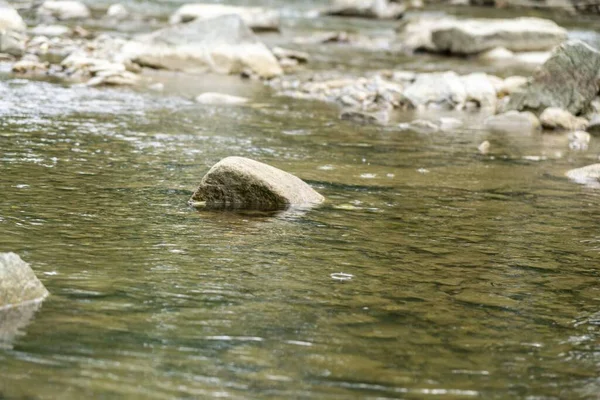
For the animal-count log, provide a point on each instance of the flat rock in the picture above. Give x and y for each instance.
(375, 9)
(568, 80)
(242, 183)
(513, 121)
(472, 36)
(219, 98)
(64, 9)
(223, 45)
(18, 283)
(557, 118)
(589, 175)
(256, 18)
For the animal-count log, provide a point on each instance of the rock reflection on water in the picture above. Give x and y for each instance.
(14, 320)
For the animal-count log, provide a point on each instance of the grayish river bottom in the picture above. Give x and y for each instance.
(471, 275)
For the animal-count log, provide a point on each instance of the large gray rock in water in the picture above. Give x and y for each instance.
(242, 183)
(379, 9)
(18, 283)
(257, 18)
(12, 30)
(568, 80)
(478, 35)
(223, 45)
(512, 121)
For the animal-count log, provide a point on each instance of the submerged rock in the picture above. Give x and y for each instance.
(18, 283)
(378, 9)
(512, 121)
(64, 9)
(360, 117)
(219, 98)
(224, 45)
(568, 80)
(12, 30)
(242, 183)
(557, 118)
(473, 36)
(256, 18)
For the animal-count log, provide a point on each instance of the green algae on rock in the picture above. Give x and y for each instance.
(242, 183)
(18, 283)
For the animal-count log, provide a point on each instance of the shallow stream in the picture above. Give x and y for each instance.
(471, 275)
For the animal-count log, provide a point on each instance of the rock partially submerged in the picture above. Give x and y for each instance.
(256, 18)
(377, 9)
(473, 36)
(242, 183)
(513, 121)
(588, 175)
(568, 80)
(557, 118)
(12, 30)
(18, 283)
(223, 45)
(64, 10)
(13, 320)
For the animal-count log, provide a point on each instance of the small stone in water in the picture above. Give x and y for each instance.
(484, 147)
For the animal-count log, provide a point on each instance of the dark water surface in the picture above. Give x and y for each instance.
(472, 275)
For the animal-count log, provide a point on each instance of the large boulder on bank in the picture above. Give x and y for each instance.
(64, 9)
(12, 30)
(517, 34)
(568, 80)
(18, 283)
(378, 9)
(242, 183)
(223, 45)
(257, 18)
(472, 36)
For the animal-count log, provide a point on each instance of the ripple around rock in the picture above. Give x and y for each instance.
(242, 183)
(18, 283)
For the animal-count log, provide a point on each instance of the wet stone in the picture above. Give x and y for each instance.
(242, 183)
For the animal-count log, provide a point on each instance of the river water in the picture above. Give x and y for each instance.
(471, 275)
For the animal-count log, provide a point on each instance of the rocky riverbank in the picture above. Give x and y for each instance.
(66, 40)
